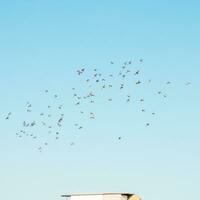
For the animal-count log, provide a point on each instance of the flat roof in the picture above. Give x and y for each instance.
(90, 194)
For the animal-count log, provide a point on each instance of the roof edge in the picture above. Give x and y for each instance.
(90, 194)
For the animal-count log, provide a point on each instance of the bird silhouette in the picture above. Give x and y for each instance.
(188, 83)
(95, 85)
(138, 82)
(137, 72)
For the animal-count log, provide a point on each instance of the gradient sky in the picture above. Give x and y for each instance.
(42, 43)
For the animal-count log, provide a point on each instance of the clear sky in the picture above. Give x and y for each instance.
(42, 43)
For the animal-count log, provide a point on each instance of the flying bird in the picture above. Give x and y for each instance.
(138, 82)
(137, 72)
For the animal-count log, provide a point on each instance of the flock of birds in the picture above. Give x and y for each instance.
(93, 84)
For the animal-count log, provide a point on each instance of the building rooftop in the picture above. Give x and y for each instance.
(111, 193)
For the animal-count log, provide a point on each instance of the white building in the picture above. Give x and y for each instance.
(102, 196)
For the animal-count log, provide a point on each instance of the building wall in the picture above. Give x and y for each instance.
(114, 197)
(88, 197)
(100, 197)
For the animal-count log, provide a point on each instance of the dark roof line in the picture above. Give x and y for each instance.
(112, 193)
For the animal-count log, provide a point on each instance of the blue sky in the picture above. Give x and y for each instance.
(42, 44)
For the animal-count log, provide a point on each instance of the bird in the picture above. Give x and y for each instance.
(188, 83)
(138, 82)
(137, 72)
(60, 106)
(33, 123)
(95, 75)
(121, 86)
(91, 94)
(60, 120)
(93, 87)
(79, 72)
(119, 138)
(40, 149)
(43, 123)
(8, 116)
